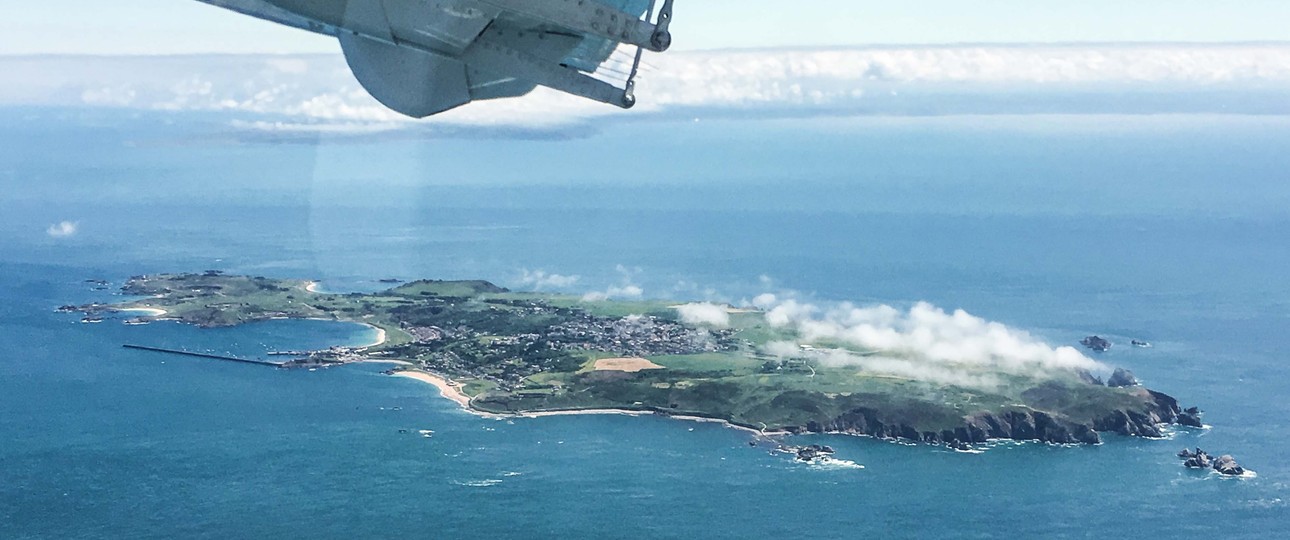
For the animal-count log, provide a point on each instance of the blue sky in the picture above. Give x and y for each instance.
(186, 26)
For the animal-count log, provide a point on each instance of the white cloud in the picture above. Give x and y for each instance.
(540, 279)
(704, 313)
(627, 289)
(923, 342)
(614, 291)
(785, 313)
(765, 301)
(62, 229)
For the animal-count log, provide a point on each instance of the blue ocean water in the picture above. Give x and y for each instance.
(1170, 229)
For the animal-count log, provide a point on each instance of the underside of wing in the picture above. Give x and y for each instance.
(593, 50)
(422, 57)
(261, 9)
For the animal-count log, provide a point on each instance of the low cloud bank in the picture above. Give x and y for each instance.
(924, 342)
(986, 79)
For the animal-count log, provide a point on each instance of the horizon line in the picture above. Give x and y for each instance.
(793, 48)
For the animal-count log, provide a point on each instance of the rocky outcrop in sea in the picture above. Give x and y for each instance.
(1225, 464)
(1097, 343)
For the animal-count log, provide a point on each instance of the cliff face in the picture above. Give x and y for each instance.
(1016, 424)
(1142, 423)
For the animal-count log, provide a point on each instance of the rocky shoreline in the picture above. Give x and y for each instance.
(1019, 425)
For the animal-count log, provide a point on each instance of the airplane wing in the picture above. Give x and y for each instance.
(423, 57)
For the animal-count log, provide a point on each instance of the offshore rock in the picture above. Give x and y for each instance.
(813, 451)
(1190, 418)
(1097, 343)
(1227, 465)
(1201, 460)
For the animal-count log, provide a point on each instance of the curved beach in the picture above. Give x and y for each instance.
(150, 311)
(446, 387)
(450, 390)
(381, 337)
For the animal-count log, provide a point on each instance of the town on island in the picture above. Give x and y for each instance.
(501, 352)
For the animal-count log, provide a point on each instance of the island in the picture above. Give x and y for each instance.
(505, 352)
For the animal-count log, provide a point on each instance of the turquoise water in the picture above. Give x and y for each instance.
(1173, 230)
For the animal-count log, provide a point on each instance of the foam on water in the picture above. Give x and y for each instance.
(488, 482)
(834, 464)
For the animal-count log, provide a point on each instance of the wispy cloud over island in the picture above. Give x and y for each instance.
(923, 342)
(540, 280)
(967, 79)
(626, 289)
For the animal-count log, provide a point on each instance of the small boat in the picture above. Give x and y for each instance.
(91, 320)
(1141, 344)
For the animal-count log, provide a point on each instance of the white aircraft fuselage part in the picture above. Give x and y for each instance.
(422, 57)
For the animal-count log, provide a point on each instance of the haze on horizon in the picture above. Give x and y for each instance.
(732, 58)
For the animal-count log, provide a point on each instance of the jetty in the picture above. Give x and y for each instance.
(205, 355)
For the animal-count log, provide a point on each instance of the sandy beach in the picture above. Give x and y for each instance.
(312, 286)
(728, 424)
(540, 414)
(152, 312)
(451, 391)
(446, 387)
(629, 412)
(380, 337)
(387, 361)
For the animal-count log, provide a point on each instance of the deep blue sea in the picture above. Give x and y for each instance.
(1174, 229)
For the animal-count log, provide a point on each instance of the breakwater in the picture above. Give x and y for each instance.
(205, 355)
